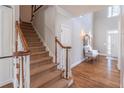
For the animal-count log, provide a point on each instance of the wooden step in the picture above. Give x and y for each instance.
(62, 83)
(38, 55)
(35, 44)
(30, 33)
(27, 27)
(43, 68)
(33, 40)
(42, 80)
(41, 61)
(37, 49)
(25, 23)
(28, 30)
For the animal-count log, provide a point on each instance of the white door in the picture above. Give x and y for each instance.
(6, 34)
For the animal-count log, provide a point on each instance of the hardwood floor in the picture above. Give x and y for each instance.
(100, 74)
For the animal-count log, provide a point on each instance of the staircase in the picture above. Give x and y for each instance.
(43, 72)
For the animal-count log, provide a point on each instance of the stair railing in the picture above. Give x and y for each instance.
(34, 8)
(21, 60)
(66, 65)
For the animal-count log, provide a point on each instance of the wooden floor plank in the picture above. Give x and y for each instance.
(100, 74)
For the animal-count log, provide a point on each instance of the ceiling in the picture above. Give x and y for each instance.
(78, 10)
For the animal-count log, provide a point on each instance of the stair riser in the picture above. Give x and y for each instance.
(24, 27)
(37, 49)
(32, 33)
(28, 31)
(44, 72)
(32, 38)
(35, 44)
(34, 57)
(51, 82)
(26, 24)
(40, 63)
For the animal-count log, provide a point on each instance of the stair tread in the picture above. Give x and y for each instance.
(43, 79)
(36, 42)
(33, 47)
(62, 83)
(38, 53)
(42, 68)
(40, 60)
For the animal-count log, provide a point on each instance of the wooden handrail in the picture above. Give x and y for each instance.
(66, 59)
(24, 42)
(56, 40)
(6, 57)
(34, 9)
(37, 8)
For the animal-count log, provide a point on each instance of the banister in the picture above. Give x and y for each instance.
(22, 57)
(34, 9)
(66, 59)
(24, 42)
(37, 8)
(3, 57)
(61, 44)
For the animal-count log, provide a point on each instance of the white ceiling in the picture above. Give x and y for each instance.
(78, 10)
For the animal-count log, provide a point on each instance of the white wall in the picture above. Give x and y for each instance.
(83, 23)
(101, 26)
(7, 43)
(17, 12)
(122, 47)
(25, 13)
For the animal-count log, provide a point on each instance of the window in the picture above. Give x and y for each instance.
(113, 11)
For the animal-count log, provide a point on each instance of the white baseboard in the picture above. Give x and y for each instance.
(76, 63)
(47, 48)
(6, 82)
(102, 54)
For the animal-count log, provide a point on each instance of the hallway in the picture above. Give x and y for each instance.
(100, 74)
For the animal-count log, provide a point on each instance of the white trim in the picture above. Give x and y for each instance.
(6, 82)
(47, 48)
(77, 63)
(102, 54)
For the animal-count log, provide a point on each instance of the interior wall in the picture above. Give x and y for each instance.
(7, 17)
(25, 13)
(102, 24)
(122, 47)
(82, 23)
(17, 12)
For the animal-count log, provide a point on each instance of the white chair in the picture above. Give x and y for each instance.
(89, 53)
